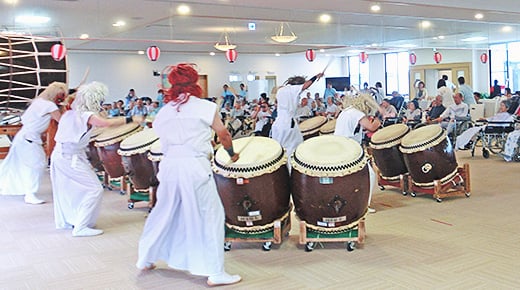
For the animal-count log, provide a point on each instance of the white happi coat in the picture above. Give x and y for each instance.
(186, 226)
(289, 137)
(77, 191)
(21, 170)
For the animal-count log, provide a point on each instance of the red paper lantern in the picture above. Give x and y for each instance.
(484, 57)
(413, 58)
(310, 55)
(231, 55)
(363, 57)
(437, 57)
(153, 53)
(58, 52)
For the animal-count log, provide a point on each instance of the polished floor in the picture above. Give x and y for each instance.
(411, 243)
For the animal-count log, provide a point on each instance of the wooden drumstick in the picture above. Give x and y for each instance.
(241, 149)
(327, 66)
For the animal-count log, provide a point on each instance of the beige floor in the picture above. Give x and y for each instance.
(412, 243)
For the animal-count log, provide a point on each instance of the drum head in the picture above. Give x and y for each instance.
(312, 125)
(138, 143)
(95, 132)
(328, 156)
(329, 127)
(422, 138)
(388, 136)
(155, 153)
(258, 156)
(112, 135)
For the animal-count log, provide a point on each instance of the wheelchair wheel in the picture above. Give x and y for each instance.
(496, 144)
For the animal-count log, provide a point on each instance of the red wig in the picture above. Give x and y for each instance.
(183, 78)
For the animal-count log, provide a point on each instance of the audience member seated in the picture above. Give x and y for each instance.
(388, 111)
(435, 110)
(458, 111)
(412, 113)
(262, 116)
(397, 100)
(332, 110)
(303, 111)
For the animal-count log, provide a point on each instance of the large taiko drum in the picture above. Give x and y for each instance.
(385, 150)
(330, 183)
(108, 143)
(255, 189)
(428, 155)
(311, 127)
(133, 151)
(92, 153)
(328, 128)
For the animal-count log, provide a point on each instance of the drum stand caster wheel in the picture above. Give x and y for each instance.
(381, 187)
(413, 194)
(267, 246)
(109, 187)
(130, 205)
(227, 246)
(309, 247)
(405, 193)
(468, 194)
(485, 153)
(351, 246)
(121, 192)
(438, 199)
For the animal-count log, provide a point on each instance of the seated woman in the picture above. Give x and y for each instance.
(412, 113)
(502, 117)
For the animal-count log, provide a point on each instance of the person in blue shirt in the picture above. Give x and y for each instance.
(243, 91)
(330, 92)
(139, 109)
(228, 96)
(160, 97)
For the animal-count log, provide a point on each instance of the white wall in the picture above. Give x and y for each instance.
(121, 72)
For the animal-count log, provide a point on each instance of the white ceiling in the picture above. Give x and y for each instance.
(353, 26)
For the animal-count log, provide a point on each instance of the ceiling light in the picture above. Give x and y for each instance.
(119, 23)
(11, 2)
(281, 38)
(426, 24)
(441, 37)
(183, 9)
(212, 53)
(479, 16)
(322, 50)
(140, 52)
(325, 18)
(375, 8)
(226, 45)
(32, 19)
(276, 54)
(84, 36)
(473, 39)
(507, 29)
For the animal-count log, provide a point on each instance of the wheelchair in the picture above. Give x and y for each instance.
(492, 137)
(461, 124)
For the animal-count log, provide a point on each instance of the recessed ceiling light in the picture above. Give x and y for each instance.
(322, 50)
(441, 37)
(84, 36)
(183, 9)
(426, 24)
(476, 38)
(11, 2)
(212, 53)
(479, 16)
(507, 29)
(140, 52)
(32, 19)
(325, 18)
(375, 8)
(119, 23)
(276, 54)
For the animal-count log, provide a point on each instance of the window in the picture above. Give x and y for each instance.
(359, 72)
(498, 62)
(397, 68)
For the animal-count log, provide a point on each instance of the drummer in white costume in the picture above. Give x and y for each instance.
(354, 119)
(76, 189)
(186, 226)
(285, 129)
(21, 171)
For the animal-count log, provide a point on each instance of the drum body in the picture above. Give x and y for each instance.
(134, 156)
(108, 143)
(428, 155)
(255, 189)
(92, 153)
(328, 128)
(330, 182)
(155, 155)
(311, 127)
(385, 149)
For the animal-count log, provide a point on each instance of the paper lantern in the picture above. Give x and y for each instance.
(437, 57)
(363, 57)
(310, 55)
(58, 52)
(413, 58)
(231, 55)
(484, 58)
(153, 53)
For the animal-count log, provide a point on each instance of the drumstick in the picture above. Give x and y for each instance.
(241, 149)
(327, 66)
(85, 75)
